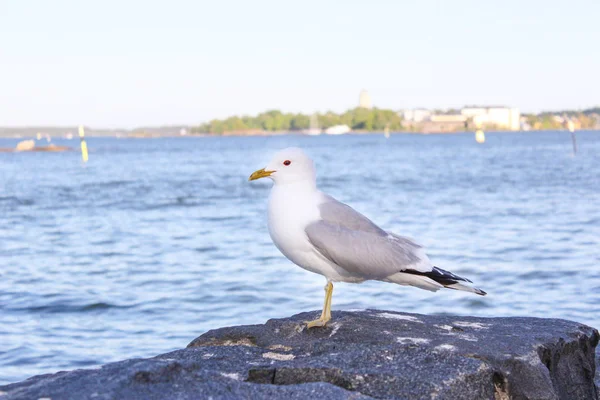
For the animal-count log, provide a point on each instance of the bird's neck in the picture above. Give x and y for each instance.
(298, 192)
(304, 185)
(293, 205)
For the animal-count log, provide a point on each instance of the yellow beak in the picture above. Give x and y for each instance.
(261, 173)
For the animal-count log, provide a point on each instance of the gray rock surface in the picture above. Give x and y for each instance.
(598, 370)
(360, 355)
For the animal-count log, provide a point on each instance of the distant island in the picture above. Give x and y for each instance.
(585, 119)
(359, 118)
(416, 120)
(362, 119)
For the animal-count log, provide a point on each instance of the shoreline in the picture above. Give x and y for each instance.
(297, 133)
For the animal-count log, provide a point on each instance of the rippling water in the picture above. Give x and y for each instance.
(155, 241)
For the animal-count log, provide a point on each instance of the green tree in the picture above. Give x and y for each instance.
(299, 121)
(275, 120)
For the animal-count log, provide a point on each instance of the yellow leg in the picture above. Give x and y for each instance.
(328, 296)
(326, 314)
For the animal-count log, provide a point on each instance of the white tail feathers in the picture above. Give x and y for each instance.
(419, 281)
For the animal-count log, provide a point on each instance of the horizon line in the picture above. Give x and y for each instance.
(183, 125)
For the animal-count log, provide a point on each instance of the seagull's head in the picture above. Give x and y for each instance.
(288, 166)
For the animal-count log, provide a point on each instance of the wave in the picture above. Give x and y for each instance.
(58, 308)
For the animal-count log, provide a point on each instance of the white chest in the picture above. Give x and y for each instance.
(290, 211)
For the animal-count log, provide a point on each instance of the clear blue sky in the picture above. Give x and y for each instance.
(130, 63)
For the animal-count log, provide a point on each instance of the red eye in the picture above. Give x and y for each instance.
(287, 162)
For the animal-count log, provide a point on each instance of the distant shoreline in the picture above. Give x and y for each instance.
(358, 132)
(144, 135)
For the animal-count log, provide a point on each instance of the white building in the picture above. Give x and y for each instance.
(364, 100)
(502, 117)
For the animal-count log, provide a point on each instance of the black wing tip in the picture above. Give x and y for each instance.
(447, 279)
(451, 275)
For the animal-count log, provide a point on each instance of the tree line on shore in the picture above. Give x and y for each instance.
(586, 119)
(375, 119)
(274, 120)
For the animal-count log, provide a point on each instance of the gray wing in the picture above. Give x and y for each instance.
(339, 213)
(353, 242)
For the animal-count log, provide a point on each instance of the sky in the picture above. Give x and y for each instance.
(131, 63)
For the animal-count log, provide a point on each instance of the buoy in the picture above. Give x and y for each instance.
(571, 127)
(479, 136)
(84, 150)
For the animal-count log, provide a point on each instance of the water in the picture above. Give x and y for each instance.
(155, 241)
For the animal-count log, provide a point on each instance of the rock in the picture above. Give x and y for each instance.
(29, 145)
(598, 370)
(25, 145)
(52, 147)
(360, 355)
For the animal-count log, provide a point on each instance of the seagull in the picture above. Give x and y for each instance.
(327, 237)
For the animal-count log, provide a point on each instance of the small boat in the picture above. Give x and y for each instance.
(337, 130)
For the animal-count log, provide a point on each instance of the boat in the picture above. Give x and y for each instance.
(337, 130)
(386, 131)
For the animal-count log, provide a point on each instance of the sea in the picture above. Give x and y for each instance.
(155, 241)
